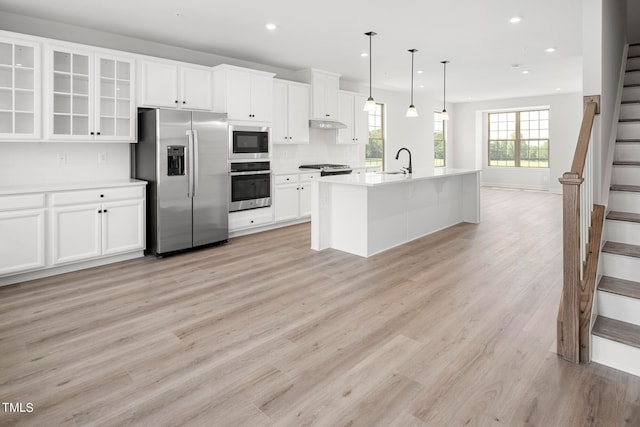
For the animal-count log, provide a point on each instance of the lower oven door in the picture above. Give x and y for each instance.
(249, 191)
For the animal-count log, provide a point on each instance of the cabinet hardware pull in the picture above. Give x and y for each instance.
(102, 195)
(100, 211)
(105, 211)
(91, 133)
(184, 102)
(176, 101)
(98, 133)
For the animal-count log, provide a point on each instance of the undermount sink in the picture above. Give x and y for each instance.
(392, 172)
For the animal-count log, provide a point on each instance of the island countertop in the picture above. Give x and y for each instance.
(375, 179)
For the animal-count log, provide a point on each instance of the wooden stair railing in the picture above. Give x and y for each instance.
(580, 268)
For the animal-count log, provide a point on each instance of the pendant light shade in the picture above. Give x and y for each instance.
(444, 114)
(370, 105)
(411, 111)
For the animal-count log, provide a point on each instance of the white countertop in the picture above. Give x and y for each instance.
(296, 170)
(375, 179)
(45, 188)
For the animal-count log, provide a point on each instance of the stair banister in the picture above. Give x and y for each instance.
(582, 228)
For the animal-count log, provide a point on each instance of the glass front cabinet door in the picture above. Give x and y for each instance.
(91, 96)
(19, 89)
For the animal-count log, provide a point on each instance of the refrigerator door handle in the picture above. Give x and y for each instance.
(190, 163)
(196, 161)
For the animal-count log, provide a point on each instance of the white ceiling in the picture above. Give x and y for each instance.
(474, 35)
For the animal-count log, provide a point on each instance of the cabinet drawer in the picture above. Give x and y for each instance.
(97, 195)
(309, 176)
(286, 179)
(24, 201)
(250, 218)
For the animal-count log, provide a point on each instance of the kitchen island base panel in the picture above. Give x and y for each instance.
(366, 220)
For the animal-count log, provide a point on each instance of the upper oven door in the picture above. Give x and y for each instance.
(249, 142)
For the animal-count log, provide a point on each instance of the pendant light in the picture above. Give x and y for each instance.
(444, 114)
(370, 105)
(411, 111)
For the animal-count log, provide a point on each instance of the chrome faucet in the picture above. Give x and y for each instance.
(409, 169)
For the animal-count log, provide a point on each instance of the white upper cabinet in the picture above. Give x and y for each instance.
(175, 85)
(290, 113)
(20, 76)
(350, 113)
(90, 96)
(324, 94)
(244, 94)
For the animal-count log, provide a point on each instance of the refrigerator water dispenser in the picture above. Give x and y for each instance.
(175, 160)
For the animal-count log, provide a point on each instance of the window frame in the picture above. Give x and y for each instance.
(437, 116)
(382, 137)
(518, 139)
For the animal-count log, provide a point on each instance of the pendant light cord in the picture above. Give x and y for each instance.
(412, 52)
(370, 74)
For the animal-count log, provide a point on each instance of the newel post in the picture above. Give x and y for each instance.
(569, 313)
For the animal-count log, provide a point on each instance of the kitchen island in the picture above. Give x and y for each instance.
(370, 213)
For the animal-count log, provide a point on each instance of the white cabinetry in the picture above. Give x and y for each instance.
(92, 223)
(324, 94)
(242, 93)
(175, 85)
(250, 218)
(22, 235)
(290, 113)
(292, 195)
(20, 76)
(90, 95)
(350, 113)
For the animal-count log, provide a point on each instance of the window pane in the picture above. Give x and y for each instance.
(374, 150)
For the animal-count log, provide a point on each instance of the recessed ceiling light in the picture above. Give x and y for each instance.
(558, 88)
(364, 54)
(420, 71)
(271, 26)
(550, 49)
(515, 19)
(525, 71)
(421, 86)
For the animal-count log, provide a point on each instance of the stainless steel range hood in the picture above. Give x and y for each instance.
(326, 124)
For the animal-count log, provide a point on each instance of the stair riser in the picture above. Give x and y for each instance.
(631, 94)
(634, 50)
(620, 266)
(625, 175)
(632, 78)
(616, 355)
(630, 111)
(622, 232)
(628, 131)
(619, 307)
(633, 64)
(624, 201)
(628, 151)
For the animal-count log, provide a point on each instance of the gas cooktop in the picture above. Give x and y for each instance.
(329, 169)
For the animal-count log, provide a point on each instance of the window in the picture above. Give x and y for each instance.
(439, 139)
(375, 147)
(519, 139)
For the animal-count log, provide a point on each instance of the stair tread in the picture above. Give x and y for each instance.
(626, 163)
(631, 101)
(632, 85)
(627, 140)
(616, 330)
(629, 120)
(621, 187)
(617, 286)
(624, 216)
(625, 249)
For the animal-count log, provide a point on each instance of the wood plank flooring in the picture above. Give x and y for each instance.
(454, 329)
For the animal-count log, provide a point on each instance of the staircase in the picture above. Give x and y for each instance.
(616, 332)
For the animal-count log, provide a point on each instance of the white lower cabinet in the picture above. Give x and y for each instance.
(292, 196)
(82, 230)
(41, 231)
(22, 233)
(250, 218)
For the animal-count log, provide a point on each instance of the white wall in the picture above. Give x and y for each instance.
(633, 21)
(470, 144)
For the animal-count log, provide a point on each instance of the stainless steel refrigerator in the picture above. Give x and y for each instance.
(183, 156)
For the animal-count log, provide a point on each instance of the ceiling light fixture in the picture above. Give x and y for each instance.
(550, 49)
(411, 111)
(515, 19)
(364, 54)
(525, 71)
(420, 71)
(370, 105)
(270, 26)
(445, 115)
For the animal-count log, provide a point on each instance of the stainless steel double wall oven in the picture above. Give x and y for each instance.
(249, 167)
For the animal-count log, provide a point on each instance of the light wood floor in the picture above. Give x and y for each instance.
(457, 328)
